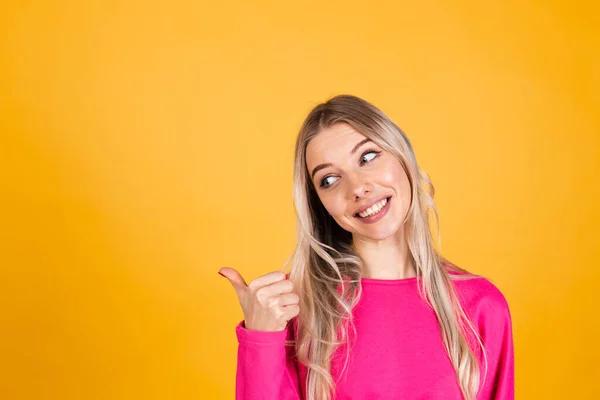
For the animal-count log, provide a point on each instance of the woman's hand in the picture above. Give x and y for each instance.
(268, 302)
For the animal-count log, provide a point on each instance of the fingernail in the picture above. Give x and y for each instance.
(221, 274)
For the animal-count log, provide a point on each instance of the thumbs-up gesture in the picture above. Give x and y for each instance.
(268, 302)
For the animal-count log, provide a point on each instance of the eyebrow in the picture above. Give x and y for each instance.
(321, 166)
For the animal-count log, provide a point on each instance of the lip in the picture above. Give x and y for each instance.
(374, 218)
(370, 205)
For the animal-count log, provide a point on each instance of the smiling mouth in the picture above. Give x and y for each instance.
(387, 201)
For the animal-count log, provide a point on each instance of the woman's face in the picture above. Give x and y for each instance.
(352, 173)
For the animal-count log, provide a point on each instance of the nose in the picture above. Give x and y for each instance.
(359, 186)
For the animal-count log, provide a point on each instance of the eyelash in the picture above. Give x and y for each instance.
(322, 185)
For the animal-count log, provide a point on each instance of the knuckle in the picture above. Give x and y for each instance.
(261, 294)
(252, 285)
(289, 286)
(272, 302)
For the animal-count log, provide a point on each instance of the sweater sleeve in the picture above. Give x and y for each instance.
(266, 368)
(495, 327)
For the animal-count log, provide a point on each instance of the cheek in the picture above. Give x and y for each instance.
(388, 174)
(393, 176)
(402, 187)
(389, 177)
(334, 205)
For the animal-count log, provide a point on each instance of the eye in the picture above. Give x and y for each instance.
(367, 153)
(324, 183)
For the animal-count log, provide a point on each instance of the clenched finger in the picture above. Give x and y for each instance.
(266, 280)
(289, 298)
(291, 311)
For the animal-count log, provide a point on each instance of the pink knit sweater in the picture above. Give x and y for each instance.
(398, 352)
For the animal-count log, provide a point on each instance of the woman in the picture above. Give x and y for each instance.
(374, 310)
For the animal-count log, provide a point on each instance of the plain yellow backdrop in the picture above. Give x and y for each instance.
(145, 145)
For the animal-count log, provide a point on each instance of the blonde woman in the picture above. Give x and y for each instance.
(370, 309)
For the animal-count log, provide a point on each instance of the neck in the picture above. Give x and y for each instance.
(385, 259)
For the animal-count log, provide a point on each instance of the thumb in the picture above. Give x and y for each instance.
(236, 280)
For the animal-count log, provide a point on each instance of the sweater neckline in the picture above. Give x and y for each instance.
(393, 282)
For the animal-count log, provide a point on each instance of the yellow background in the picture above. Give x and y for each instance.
(144, 145)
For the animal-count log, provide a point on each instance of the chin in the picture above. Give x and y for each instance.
(380, 232)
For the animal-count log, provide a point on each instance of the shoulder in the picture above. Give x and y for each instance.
(479, 290)
(483, 301)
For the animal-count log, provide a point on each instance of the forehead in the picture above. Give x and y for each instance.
(331, 143)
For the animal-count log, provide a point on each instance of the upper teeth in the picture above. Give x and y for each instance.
(375, 208)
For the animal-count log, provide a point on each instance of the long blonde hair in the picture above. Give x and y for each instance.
(324, 259)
